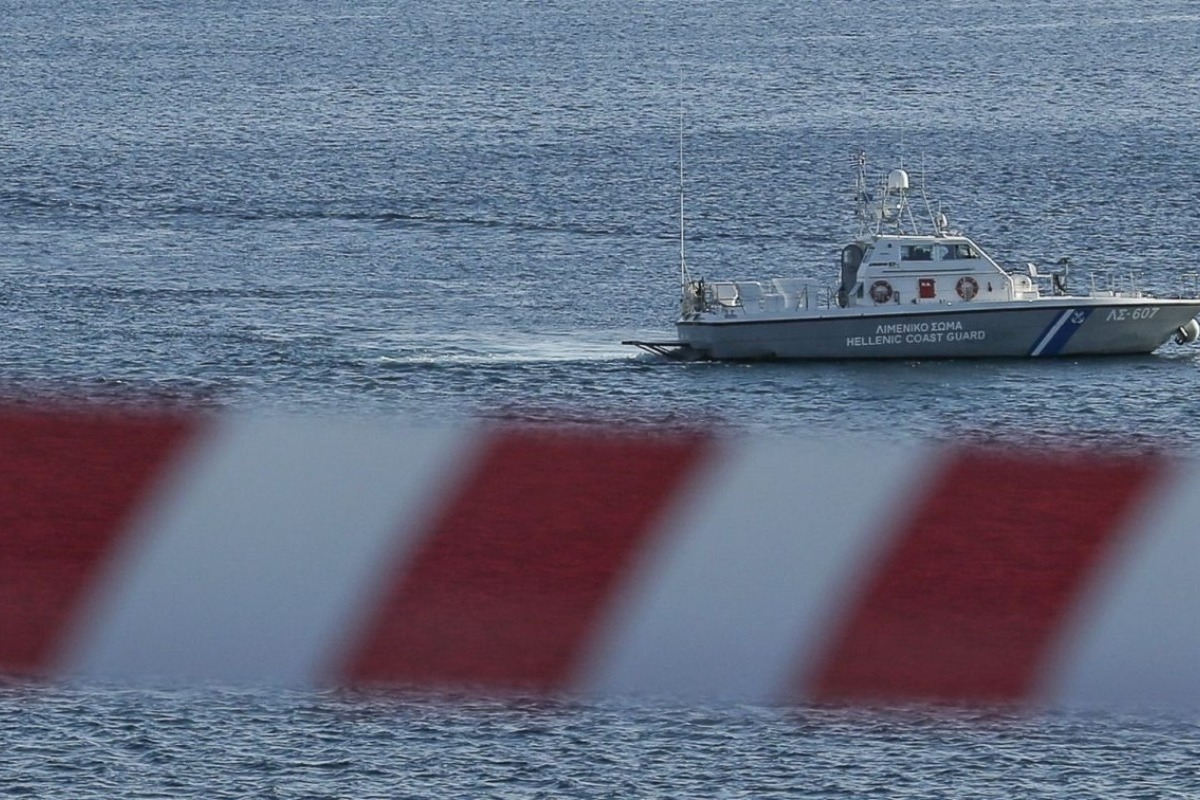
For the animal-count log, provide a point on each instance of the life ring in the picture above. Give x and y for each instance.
(967, 287)
(881, 292)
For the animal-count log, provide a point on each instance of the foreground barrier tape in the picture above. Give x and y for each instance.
(323, 552)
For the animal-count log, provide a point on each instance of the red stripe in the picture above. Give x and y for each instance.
(976, 587)
(68, 482)
(505, 589)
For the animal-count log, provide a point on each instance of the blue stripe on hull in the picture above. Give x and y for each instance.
(1059, 332)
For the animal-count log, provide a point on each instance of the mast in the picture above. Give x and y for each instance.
(683, 271)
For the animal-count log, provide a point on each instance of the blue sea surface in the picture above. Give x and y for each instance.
(426, 211)
(98, 742)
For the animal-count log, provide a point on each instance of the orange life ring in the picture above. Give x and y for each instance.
(967, 287)
(881, 291)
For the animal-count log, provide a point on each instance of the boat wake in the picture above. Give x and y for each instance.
(511, 349)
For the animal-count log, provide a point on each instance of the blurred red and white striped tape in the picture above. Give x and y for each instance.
(322, 552)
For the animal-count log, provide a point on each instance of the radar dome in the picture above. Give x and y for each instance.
(897, 180)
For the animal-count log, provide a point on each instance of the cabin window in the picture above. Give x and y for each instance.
(959, 250)
(916, 252)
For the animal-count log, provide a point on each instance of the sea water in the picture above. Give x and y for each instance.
(427, 211)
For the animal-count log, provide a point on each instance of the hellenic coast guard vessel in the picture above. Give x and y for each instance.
(905, 293)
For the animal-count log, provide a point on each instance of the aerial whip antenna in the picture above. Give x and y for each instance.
(683, 272)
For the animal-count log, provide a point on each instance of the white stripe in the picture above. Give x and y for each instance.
(259, 563)
(1062, 320)
(1135, 641)
(765, 553)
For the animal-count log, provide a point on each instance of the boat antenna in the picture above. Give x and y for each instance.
(933, 220)
(683, 270)
(862, 196)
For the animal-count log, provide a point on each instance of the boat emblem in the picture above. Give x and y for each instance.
(1078, 317)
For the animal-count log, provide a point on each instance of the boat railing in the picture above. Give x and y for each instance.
(1111, 283)
(1106, 283)
(756, 297)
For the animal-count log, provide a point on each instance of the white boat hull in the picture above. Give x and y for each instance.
(1067, 326)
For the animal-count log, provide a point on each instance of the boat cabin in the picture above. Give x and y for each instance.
(939, 269)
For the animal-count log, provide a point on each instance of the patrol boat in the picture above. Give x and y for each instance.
(913, 294)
